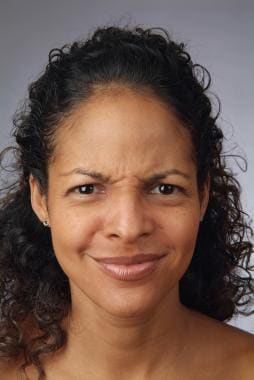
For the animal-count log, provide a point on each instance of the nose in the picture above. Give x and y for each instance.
(128, 219)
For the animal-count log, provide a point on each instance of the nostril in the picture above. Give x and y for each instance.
(114, 236)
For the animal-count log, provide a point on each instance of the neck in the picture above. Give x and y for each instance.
(137, 347)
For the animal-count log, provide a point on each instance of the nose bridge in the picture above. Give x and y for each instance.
(127, 216)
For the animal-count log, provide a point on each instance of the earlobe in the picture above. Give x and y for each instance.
(38, 200)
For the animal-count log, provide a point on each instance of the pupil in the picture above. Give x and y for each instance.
(166, 189)
(88, 189)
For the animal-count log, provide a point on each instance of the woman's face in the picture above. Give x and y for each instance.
(123, 182)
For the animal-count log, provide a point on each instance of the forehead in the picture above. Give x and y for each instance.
(124, 125)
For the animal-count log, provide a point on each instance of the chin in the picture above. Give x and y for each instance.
(128, 311)
(130, 306)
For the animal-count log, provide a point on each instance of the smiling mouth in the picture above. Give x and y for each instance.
(130, 268)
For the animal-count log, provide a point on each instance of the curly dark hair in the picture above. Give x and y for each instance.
(34, 291)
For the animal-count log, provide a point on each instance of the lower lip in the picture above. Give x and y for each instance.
(130, 272)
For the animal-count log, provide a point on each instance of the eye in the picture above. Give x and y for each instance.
(166, 189)
(84, 189)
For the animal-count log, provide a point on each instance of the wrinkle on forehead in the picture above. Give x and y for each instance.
(70, 125)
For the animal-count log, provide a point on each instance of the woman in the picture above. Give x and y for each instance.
(122, 239)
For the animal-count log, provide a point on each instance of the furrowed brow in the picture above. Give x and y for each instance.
(162, 175)
(89, 173)
(107, 179)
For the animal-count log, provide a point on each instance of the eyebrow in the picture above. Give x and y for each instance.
(106, 179)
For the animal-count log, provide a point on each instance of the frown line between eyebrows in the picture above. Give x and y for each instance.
(106, 179)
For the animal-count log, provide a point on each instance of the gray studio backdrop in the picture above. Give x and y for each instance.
(219, 34)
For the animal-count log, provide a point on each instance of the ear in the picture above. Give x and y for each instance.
(38, 200)
(204, 198)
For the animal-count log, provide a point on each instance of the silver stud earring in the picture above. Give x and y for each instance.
(45, 223)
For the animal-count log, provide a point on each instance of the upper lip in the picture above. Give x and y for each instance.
(129, 260)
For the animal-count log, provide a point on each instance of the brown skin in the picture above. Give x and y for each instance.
(131, 329)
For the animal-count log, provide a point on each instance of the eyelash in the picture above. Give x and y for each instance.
(173, 188)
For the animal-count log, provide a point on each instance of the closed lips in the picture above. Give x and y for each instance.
(129, 260)
(130, 268)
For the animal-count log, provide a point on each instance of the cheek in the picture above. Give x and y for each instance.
(180, 234)
(72, 232)
(186, 232)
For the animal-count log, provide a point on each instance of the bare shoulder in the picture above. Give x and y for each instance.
(227, 347)
(9, 370)
(246, 360)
